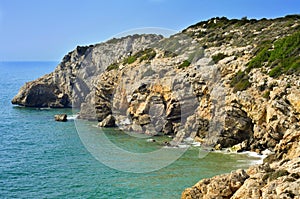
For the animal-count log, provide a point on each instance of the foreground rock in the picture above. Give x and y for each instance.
(278, 177)
(60, 117)
(222, 186)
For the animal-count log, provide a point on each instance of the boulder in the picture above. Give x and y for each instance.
(60, 117)
(109, 121)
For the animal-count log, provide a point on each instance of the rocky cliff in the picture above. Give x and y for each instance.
(225, 83)
(68, 84)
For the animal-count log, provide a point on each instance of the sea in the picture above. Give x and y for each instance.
(41, 158)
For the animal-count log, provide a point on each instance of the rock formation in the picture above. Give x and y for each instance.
(76, 71)
(224, 83)
(278, 177)
(60, 117)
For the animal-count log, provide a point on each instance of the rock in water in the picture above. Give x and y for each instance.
(60, 117)
(109, 121)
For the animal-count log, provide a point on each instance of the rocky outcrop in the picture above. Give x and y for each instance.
(278, 177)
(222, 186)
(109, 121)
(70, 82)
(268, 108)
(60, 117)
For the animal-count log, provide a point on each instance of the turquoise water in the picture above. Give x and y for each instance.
(40, 158)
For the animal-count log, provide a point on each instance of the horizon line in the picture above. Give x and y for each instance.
(30, 60)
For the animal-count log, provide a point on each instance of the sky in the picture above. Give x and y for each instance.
(36, 30)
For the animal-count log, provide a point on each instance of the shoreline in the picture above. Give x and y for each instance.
(229, 88)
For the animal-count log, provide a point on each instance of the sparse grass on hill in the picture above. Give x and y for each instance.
(282, 59)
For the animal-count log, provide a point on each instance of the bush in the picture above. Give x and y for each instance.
(184, 64)
(275, 72)
(261, 57)
(216, 58)
(129, 60)
(147, 54)
(283, 59)
(240, 82)
(266, 95)
(113, 66)
(286, 54)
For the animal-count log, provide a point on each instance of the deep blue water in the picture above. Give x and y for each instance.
(41, 158)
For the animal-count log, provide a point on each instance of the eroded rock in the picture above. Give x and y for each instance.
(109, 121)
(60, 117)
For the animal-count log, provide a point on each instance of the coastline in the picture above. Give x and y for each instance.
(235, 94)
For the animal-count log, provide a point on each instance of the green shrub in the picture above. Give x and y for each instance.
(113, 66)
(266, 95)
(240, 82)
(216, 58)
(143, 55)
(275, 72)
(129, 60)
(286, 54)
(282, 59)
(294, 68)
(184, 64)
(261, 57)
(147, 54)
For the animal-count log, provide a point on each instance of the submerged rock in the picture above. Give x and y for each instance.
(60, 117)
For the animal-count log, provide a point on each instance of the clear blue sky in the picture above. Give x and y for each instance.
(47, 30)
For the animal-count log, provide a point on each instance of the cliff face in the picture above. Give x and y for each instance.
(190, 85)
(76, 71)
(224, 83)
(266, 91)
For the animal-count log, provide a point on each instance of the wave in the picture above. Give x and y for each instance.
(72, 117)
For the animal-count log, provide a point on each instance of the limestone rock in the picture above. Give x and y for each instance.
(240, 147)
(75, 74)
(294, 99)
(136, 128)
(109, 121)
(144, 119)
(223, 186)
(60, 117)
